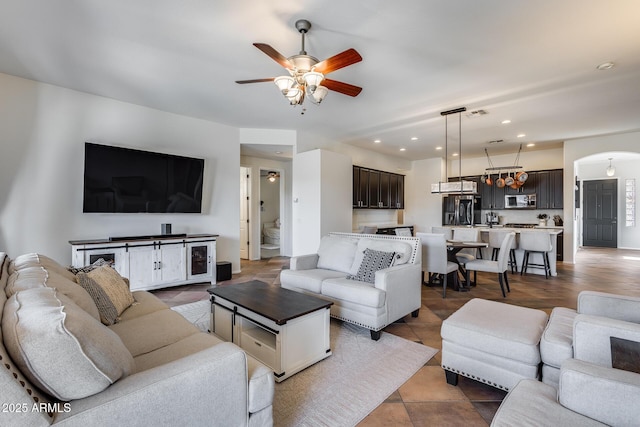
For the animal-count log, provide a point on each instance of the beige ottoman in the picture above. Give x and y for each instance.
(492, 342)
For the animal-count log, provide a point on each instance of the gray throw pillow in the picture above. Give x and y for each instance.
(373, 261)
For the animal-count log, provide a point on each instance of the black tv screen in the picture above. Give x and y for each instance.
(125, 180)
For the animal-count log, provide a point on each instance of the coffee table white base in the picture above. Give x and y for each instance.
(287, 348)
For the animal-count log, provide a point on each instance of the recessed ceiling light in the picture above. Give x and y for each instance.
(438, 148)
(414, 138)
(531, 144)
(506, 122)
(377, 141)
(278, 152)
(455, 154)
(403, 149)
(521, 135)
(605, 66)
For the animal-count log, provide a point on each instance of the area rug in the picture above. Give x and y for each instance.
(344, 388)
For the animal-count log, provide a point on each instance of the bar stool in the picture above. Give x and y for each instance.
(536, 242)
(495, 241)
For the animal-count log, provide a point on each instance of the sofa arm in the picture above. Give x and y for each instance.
(607, 395)
(209, 387)
(591, 337)
(619, 307)
(304, 262)
(402, 285)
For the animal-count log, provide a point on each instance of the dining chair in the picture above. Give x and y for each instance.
(465, 234)
(404, 231)
(369, 230)
(495, 241)
(500, 266)
(447, 231)
(434, 258)
(536, 242)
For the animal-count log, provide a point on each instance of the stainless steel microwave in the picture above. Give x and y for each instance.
(520, 201)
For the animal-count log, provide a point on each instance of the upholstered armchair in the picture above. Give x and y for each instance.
(585, 333)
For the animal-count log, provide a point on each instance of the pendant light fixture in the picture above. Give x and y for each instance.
(611, 170)
(461, 187)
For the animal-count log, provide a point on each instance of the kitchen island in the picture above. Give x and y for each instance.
(534, 258)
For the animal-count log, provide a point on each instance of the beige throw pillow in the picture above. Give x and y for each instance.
(109, 291)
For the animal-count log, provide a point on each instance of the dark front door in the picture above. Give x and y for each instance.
(600, 213)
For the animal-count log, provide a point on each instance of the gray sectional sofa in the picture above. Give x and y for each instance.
(393, 292)
(62, 366)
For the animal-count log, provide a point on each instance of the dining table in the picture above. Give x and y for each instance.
(455, 246)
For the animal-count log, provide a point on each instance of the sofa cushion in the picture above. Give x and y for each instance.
(60, 347)
(109, 291)
(556, 344)
(37, 276)
(308, 280)
(152, 331)
(401, 249)
(362, 293)
(146, 303)
(336, 253)
(38, 260)
(371, 262)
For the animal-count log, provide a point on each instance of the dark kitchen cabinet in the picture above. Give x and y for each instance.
(360, 187)
(492, 196)
(377, 189)
(549, 189)
(396, 191)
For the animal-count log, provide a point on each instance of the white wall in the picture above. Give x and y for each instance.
(43, 129)
(423, 210)
(529, 160)
(322, 182)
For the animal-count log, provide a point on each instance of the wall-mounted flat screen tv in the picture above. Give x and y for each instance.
(125, 180)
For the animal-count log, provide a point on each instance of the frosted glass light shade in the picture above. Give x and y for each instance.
(319, 94)
(284, 83)
(312, 80)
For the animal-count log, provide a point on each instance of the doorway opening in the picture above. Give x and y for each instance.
(270, 215)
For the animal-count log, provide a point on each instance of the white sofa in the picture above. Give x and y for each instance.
(396, 290)
(62, 366)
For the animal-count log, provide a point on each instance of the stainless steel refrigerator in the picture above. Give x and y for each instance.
(461, 210)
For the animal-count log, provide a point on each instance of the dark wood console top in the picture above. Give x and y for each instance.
(271, 301)
(126, 239)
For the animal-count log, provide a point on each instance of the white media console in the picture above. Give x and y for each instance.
(152, 262)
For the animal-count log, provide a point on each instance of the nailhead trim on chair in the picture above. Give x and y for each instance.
(473, 377)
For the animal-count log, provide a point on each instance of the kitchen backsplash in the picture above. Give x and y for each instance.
(523, 216)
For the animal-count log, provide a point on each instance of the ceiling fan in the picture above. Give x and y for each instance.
(306, 77)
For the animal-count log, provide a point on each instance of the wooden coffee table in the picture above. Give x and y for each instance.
(286, 330)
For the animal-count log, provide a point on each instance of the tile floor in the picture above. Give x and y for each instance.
(426, 399)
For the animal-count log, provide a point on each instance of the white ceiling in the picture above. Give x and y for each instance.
(533, 62)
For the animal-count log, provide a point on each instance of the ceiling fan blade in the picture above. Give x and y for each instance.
(242, 82)
(274, 54)
(341, 60)
(341, 87)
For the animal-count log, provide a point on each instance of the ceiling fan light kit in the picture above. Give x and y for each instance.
(306, 73)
